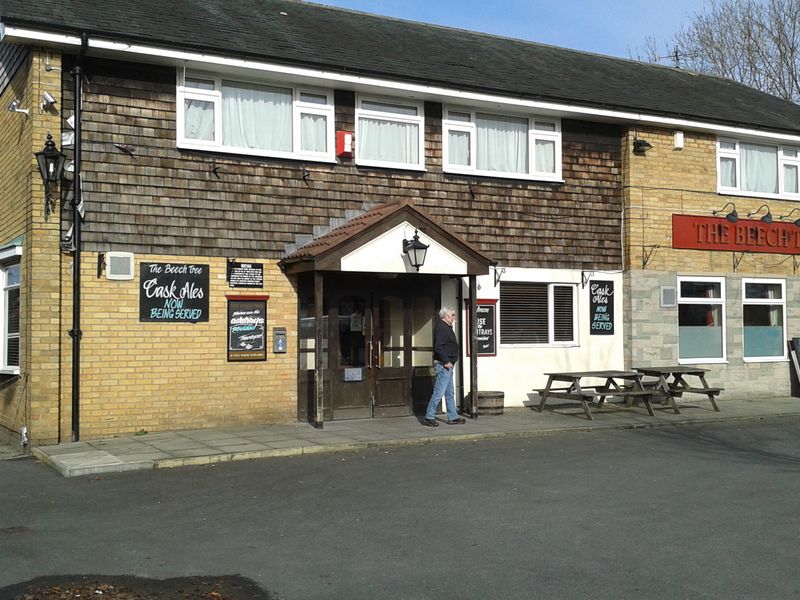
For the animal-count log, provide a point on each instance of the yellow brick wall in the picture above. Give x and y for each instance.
(160, 376)
(31, 400)
(665, 181)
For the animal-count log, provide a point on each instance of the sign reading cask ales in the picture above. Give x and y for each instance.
(173, 293)
(601, 307)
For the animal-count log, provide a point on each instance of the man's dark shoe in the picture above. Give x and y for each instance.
(431, 422)
(458, 421)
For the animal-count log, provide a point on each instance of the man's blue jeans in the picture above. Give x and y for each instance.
(443, 386)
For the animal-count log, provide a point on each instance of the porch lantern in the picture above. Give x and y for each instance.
(51, 161)
(415, 250)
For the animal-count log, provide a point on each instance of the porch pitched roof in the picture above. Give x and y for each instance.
(325, 252)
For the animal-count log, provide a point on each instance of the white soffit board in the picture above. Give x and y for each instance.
(384, 254)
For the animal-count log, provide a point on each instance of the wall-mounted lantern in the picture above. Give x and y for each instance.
(415, 250)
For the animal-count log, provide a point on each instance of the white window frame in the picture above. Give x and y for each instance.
(734, 154)
(8, 258)
(418, 119)
(723, 317)
(768, 301)
(534, 134)
(551, 343)
(298, 109)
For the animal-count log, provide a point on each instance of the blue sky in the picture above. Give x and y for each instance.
(614, 27)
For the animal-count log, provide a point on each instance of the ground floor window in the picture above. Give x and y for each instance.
(538, 313)
(9, 318)
(701, 319)
(763, 310)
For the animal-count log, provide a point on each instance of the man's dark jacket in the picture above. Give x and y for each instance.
(445, 344)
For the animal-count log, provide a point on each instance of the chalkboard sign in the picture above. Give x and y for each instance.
(245, 275)
(486, 327)
(247, 326)
(601, 306)
(173, 293)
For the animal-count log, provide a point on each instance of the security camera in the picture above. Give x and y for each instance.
(14, 107)
(47, 100)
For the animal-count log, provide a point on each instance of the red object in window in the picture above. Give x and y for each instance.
(345, 144)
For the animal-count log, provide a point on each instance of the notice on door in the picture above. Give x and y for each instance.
(601, 307)
(173, 293)
(247, 320)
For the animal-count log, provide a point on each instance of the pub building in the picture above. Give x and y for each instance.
(233, 230)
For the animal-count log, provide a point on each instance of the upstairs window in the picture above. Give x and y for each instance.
(9, 318)
(389, 133)
(538, 313)
(255, 118)
(758, 169)
(501, 145)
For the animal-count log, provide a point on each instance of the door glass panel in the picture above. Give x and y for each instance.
(352, 343)
(392, 338)
(422, 317)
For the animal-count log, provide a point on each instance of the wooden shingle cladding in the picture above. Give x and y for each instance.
(166, 200)
(11, 57)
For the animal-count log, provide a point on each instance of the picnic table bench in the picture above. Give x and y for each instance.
(671, 381)
(625, 384)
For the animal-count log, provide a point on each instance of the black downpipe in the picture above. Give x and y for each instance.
(76, 333)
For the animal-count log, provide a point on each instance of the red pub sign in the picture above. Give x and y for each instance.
(713, 233)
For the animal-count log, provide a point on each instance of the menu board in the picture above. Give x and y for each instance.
(173, 293)
(247, 320)
(485, 326)
(601, 307)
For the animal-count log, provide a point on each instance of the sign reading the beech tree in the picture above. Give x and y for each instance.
(173, 293)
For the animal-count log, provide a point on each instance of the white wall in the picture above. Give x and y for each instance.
(517, 369)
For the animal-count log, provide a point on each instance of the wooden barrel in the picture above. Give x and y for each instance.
(490, 403)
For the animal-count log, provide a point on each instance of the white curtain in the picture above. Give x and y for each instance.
(545, 159)
(775, 310)
(198, 118)
(759, 168)
(256, 117)
(389, 141)
(727, 172)
(313, 133)
(502, 143)
(790, 179)
(458, 148)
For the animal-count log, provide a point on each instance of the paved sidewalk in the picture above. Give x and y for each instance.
(204, 446)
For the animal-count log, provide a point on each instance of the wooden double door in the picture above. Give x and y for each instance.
(380, 345)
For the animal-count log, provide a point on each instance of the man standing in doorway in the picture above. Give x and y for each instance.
(445, 355)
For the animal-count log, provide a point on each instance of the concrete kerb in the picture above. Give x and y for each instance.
(322, 448)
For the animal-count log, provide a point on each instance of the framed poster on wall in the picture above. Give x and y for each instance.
(247, 327)
(486, 326)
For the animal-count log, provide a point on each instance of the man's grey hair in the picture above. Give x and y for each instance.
(446, 310)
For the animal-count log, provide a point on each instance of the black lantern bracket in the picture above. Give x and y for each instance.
(51, 168)
(415, 250)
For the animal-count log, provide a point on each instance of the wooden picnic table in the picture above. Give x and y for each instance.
(626, 384)
(671, 380)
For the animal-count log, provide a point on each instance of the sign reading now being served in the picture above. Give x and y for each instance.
(173, 293)
(601, 308)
